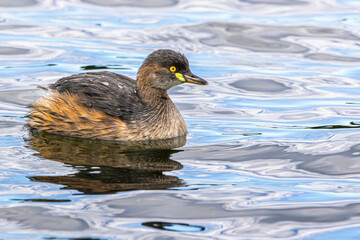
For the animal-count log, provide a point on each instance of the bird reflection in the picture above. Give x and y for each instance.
(108, 166)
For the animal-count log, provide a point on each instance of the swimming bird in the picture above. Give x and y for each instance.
(110, 106)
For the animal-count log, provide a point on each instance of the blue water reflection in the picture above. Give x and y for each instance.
(273, 146)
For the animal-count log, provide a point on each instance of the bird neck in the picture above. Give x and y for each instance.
(162, 119)
(149, 94)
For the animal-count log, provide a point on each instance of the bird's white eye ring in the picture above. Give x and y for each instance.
(172, 69)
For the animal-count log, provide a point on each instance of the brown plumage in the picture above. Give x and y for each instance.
(109, 106)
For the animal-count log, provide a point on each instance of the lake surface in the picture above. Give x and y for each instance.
(273, 150)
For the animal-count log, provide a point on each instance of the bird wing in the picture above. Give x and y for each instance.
(112, 93)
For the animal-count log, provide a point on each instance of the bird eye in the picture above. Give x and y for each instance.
(172, 69)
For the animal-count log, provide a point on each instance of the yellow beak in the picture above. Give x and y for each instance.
(191, 78)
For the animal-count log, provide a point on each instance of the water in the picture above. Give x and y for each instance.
(273, 149)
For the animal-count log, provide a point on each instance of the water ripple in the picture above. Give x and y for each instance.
(129, 3)
(273, 144)
(18, 3)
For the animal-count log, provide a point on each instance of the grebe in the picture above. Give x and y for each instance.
(110, 106)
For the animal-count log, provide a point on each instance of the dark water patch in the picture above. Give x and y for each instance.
(51, 238)
(339, 164)
(342, 163)
(177, 227)
(107, 166)
(259, 85)
(309, 214)
(42, 200)
(331, 58)
(32, 66)
(336, 165)
(40, 219)
(4, 124)
(19, 97)
(352, 125)
(236, 153)
(264, 38)
(129, 3)
(224, 112)
(59, 238)
(13, 51)
(170, 206)
(97, 67)
(17, 3)
(166, 206)
(227, 112)
(251, 134)
(187, 106)
(14, 27)
(276, 2)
